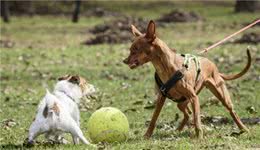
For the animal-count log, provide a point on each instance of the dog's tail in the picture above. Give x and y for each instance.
(51, 108)
(235, 76)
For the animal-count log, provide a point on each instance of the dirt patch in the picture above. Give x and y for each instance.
(117, 31)
(256, 25)
(180, 16)
(101, 12)
(216, 120)
(252, 37)
(121, 24)
(251, 121)
(111, 37)
(219, 120)
(6, 43)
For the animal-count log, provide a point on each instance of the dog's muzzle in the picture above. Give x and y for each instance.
(132, 64)
(125, 61)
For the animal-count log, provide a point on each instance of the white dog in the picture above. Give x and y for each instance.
(58, 112)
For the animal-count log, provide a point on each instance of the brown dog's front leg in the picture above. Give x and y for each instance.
(158, 108)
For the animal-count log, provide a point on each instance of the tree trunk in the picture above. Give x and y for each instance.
(75, 16)
(5, 11)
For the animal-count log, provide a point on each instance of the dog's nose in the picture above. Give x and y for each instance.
(125, 61)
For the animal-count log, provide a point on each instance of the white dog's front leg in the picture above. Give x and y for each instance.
(34, 131)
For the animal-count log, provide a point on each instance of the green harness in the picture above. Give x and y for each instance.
(188, 58)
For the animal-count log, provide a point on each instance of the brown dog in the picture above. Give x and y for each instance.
(149, 48)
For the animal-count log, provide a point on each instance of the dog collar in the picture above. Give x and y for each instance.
(68, 96)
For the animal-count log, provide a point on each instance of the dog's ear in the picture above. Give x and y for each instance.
(64, 77)
(135, 31)
(150, 31)
(74, 79)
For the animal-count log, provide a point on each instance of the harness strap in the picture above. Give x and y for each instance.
(170, 83)
(178, 75)
(164, 88)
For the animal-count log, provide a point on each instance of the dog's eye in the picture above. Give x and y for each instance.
(75, 80)
(135, 48)
(133, 52)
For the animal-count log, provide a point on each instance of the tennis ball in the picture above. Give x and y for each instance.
(108, 125)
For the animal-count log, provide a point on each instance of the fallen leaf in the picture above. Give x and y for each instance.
(251, 109)
(8, 123)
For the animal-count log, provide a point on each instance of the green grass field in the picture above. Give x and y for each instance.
(47, 47)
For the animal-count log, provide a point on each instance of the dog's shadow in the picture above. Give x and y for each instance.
(172, 135)
(26, 146)
(12, 146)
(165, 136)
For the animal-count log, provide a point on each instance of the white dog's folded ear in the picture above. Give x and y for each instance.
(66, 77)
(74, 79)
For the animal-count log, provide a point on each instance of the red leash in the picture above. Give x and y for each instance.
(228, 37)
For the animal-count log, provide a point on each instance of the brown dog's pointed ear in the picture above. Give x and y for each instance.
(64, 77)
(150, 31)
(135, 31)
(74, 79)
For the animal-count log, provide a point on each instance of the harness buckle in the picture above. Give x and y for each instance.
(163, 90)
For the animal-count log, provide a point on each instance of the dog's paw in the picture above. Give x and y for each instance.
(64, 141)
(28, 143)
(236, 134)
(199, 134)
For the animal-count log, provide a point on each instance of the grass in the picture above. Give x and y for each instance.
(47, 47)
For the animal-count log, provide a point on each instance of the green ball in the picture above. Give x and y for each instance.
(108, 125)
